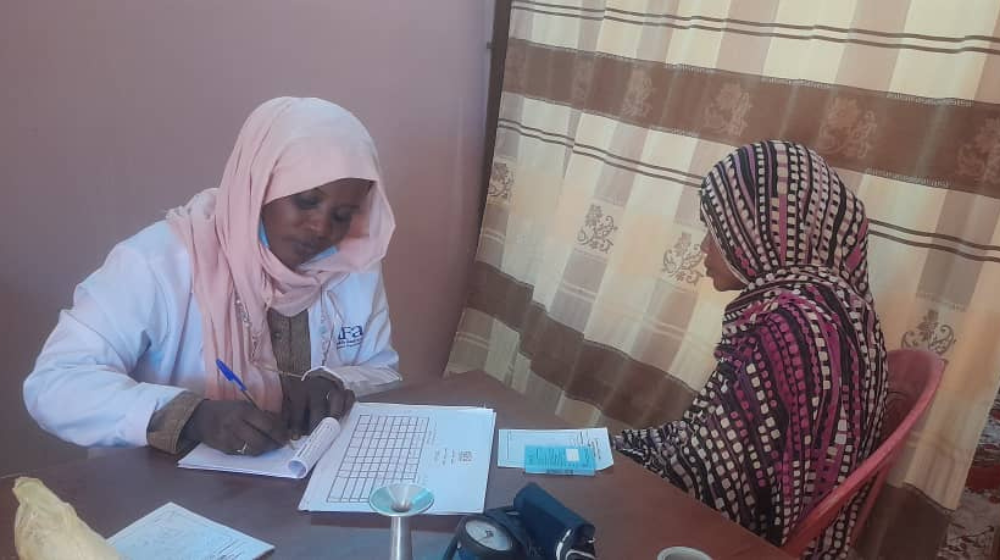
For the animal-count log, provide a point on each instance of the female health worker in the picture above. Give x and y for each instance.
(274, 273)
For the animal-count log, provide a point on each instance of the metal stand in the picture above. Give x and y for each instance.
(400, 502)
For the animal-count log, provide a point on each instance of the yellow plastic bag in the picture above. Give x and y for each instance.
(47, 528)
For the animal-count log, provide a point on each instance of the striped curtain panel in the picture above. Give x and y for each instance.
(588, 289)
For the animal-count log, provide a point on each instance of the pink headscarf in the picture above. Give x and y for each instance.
(287, 145)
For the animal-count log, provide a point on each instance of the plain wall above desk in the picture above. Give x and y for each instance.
(112, 112)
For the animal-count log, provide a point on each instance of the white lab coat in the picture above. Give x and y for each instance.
(133, 340)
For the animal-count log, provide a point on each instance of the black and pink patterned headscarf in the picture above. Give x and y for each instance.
(775, 206)
(797, 398)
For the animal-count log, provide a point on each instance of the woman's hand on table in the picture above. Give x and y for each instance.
(308, 401)
(235, 427)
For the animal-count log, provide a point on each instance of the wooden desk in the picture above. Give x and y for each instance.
(636, 513)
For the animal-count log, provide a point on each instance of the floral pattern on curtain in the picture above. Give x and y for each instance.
(588, 291)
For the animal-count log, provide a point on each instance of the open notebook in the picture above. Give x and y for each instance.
(294, 460)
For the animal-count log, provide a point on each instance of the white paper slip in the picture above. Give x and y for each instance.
(445, 449)
(170, 532)
(510, 452)
(294, 460)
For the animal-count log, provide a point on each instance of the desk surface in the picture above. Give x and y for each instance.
(635, 512)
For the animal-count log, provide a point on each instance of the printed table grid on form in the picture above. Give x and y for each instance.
(383, 450)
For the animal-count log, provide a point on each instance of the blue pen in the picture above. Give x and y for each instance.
(233, 378)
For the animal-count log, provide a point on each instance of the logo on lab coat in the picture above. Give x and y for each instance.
(350, 337)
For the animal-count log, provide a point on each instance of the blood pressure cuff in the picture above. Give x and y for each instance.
(545, 528)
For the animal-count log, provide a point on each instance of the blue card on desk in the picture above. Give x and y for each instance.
(559, 459)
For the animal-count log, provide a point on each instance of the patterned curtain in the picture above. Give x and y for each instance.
(588, 290)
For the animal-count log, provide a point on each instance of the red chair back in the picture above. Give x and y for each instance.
(914, 376)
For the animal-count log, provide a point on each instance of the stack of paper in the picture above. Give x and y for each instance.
(443, 448)
(294, 460)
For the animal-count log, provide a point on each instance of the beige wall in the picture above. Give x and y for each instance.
(111, 112)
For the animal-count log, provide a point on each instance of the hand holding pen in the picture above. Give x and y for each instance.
(235, 427)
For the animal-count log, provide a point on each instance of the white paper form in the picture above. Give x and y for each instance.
(510, 452)
(170, 532)
(443, 448)
(294, 460)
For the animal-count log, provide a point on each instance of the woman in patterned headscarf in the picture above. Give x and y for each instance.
(797, 398)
